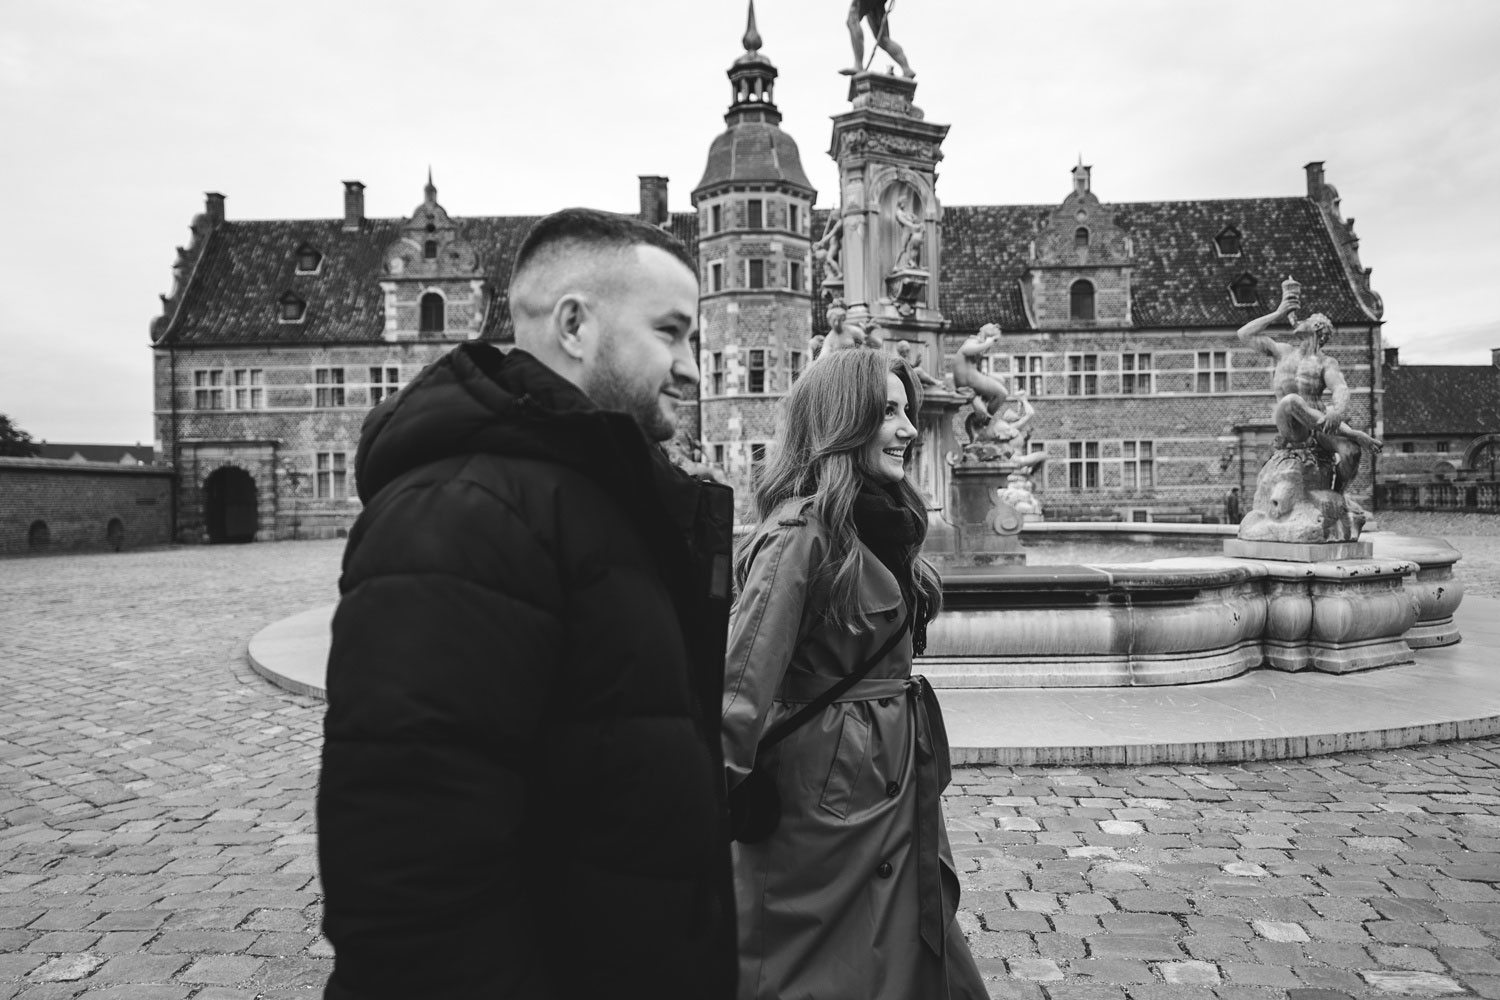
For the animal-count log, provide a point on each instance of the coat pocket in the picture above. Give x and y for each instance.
(848, 761)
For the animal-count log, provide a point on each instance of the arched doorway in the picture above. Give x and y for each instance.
(229, 505)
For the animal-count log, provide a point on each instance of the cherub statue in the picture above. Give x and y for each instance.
(907, 353)
(989, 394)
(909, 256)
(841, 333)
(874, 335)
(830, 248)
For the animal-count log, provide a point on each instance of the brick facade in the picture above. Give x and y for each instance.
(48, 505)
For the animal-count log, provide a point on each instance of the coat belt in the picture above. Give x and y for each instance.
(934, 772)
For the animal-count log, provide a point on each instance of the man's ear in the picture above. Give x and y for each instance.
(571, 321)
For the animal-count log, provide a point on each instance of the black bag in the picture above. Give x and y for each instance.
(755, 803)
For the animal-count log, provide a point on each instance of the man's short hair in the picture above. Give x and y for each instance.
(574, 229)
(1317, 324)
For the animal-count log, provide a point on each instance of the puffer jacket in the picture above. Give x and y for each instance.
(521, 791)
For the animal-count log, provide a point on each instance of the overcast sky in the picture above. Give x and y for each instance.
(116, 116)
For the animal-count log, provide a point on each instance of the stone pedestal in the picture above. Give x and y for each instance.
(985, 529)
(1301, 552)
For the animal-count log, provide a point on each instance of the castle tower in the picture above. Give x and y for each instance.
(754, 208)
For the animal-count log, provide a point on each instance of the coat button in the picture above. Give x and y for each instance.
(885, 869)
(892, 789)
(890, 615)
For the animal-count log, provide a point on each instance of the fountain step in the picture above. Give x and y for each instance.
(1451, 692)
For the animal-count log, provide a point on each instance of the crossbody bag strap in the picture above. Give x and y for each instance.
(822, 701)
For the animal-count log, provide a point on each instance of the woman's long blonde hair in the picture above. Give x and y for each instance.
(827, 421)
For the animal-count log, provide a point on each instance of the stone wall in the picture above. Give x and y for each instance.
(47, 505)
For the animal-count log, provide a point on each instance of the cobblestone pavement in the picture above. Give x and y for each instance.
(156, 828)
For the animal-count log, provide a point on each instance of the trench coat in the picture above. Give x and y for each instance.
(854, 895)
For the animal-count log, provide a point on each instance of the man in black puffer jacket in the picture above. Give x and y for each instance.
(521, 787)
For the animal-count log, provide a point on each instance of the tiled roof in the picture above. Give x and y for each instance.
(1177, 280)
(1442, 399)
(753, 151)
(118, 454)
(247, 267)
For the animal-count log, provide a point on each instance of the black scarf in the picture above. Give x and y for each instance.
(892, 531)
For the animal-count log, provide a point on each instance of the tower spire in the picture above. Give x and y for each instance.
(431, 189)
(752, 35)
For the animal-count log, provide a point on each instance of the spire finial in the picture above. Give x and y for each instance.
(431, 188)
(752, 35)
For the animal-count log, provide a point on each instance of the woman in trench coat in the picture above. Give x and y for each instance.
(854, 893)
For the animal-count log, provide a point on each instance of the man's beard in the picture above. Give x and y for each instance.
(610, 391)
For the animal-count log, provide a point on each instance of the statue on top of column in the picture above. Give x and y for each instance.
(877, 13)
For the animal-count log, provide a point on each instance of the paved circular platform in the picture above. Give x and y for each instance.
(1450, 693)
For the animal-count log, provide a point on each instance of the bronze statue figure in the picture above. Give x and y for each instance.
(878, 14)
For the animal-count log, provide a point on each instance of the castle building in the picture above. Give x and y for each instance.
(1118, 319)
(1442, 436)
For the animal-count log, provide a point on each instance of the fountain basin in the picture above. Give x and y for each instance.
(1188, 619)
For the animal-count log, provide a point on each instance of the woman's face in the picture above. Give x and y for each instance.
(885, 455)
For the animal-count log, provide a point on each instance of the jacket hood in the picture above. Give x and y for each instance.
(477, 400)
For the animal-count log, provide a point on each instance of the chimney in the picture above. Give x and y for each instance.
(1495, 356)
(653, 199)
(214, 208)
(1392, 357)
(1314, 179)
(354, 205)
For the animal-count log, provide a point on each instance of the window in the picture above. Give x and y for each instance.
(757, 463)
(308, 260)
(719, 455)
(1442, 447)
(1081, 300)
(208, 390)
(794, 276)
(796, 364)
(1083, 465)
(1026, 374)
(755, 372)
(1408, 447)
(1245, 291)
(1083, 379)
(755, 274)
(384, 381)
(716, 372)
(331, 476)
(330, 386)
(433, 310)
(1213, 371)
(429, 250)
(1081, 238)
(793, 218)
(1139, 470)
(716, 218)
(716, 276)
(249, 388)
(1227, 243)
(293, 309)
(1136, 374)
(755, 214)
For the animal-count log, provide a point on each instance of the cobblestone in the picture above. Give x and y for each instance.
(156, 827)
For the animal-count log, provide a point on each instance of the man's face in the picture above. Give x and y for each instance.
(640, 360)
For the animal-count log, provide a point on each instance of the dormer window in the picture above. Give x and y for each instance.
(308, 260)
(1081, 238)
(429, 250)
(1227, 243)
(1245, 291)
(292, 308)
(1081, 300)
